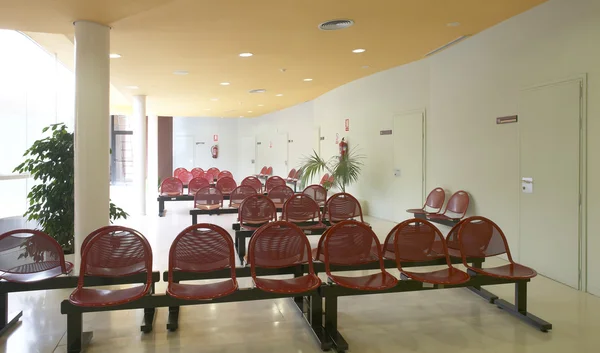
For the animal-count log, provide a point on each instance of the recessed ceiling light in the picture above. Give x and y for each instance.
(132, 87)
(307, 79)
(225, 83)
(334, 25)
(249, 111)
(453, 24)
(214, 99)
(365, 66)
(246, 55)
(207, 109)
(261, 105)
(279, 95)
(359, 50)
(114, 56)
(180, 72)
(241, 116)
(258, 90)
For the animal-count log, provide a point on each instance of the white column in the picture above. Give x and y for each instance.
(139, 151)
(152, 156)
(92, 130)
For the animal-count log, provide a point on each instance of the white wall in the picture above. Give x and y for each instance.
(202, 130)
(463, 89)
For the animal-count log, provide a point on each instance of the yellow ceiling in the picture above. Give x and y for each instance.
(204, 37)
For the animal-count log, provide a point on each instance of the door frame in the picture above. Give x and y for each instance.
(582, 236)
(423, 112)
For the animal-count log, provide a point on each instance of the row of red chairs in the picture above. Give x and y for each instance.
(265, 172)
(115, 251)
(327, 180)
(293, 176)
(212, 198)
(456, 208)
(210, 175)
(174, 186)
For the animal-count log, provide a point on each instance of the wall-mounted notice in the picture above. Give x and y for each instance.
(216, 138)
(347, 124)
(385, 132)
(337, 138)
(507, 119)
(270, 144)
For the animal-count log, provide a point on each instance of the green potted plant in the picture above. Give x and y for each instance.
(51, 202)
(345, 169)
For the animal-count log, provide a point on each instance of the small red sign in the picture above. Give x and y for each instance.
(215, 138)
(270, 144)
(347, 124)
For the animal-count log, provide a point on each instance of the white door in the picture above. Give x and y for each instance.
(549, 118)
(262, 149)
(278, 151)
(247, 157)
(183, 152)
(408, 136)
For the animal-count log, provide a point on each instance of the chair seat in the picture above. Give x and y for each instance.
(377, 281)
(252, 226)
(416, 211)
(90, 297)
(50, 269)
(202, 291)
(291, 285)
(314, 255)
(208, 207)
(441, 217)
(445, 276)
(509, 271)
(170, 194)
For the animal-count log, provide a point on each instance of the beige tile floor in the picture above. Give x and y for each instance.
(450, 320)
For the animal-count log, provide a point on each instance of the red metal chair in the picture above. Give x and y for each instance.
(226, 185)
(208, 198)
(28, 255)
(114, 252)
(214, 171)
(434, 201)
(317, 193)
(291, 176)
(269, 171)
(300, 208)
(273, 182)
(198, 172)
(417, 240)
(280, 194)
(263, 172)
(255, 211)
(239, 194)
(342, 207)
(209, 176)
(253, 182)
(185, 177)
(351, 243)
(197, 184)
(324, 179)
(202, 248)
(224, 173)
(331, 180)
(279, 245)
(455, 209)
(177, 171)
(171, 187)
(479, 237)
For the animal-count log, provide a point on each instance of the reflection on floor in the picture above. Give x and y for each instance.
(452, 320)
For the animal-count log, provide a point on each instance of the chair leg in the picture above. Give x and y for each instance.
(519, 309)
(6, 323)
(490, 297)
(173, 320)
(298, 272)
(161, 208)
(331, 303)
(148, 321)
(76, 338)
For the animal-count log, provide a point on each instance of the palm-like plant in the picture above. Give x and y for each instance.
(344, 169)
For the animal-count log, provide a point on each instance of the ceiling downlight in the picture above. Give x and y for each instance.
(334, 25)
(258, 90)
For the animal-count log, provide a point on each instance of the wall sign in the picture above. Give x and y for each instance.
(507, 119)
(337, 138)
(215, 138)
(347, 124)
(270, 144)
(385, 132)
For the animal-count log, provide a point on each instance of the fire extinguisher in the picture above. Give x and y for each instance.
(214, 150)
(343, 148)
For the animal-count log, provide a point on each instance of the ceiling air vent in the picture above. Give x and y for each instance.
(258, 90)
(334, 25)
